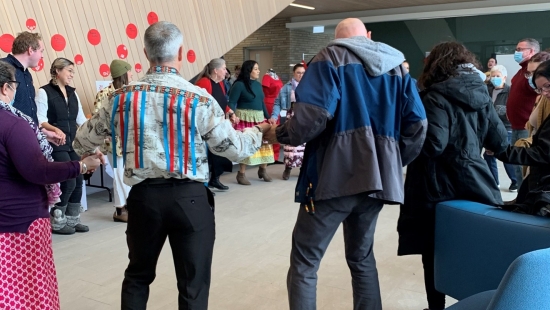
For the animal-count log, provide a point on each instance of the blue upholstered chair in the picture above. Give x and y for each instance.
(524, 286)
(475, 244)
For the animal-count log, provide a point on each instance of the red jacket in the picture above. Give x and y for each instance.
(521, 99)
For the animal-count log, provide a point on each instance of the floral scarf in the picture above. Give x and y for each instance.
(52, 190)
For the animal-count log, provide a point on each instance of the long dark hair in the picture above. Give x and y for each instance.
(442, 63)
(244, 76)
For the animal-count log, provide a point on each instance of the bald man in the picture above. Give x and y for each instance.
(362, 119)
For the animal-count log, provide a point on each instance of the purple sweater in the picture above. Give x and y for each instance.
(23, 172)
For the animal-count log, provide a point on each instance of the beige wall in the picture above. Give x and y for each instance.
(210, 29)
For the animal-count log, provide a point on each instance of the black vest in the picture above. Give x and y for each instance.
(62, 114)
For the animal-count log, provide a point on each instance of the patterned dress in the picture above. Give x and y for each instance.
(294, 155)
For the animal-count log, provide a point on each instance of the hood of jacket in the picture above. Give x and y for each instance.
(378, 58)
(466, 90)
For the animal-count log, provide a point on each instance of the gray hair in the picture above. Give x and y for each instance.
(501, 69)
(59, 64)
(534, 44)
(215, 63)
(162, 42)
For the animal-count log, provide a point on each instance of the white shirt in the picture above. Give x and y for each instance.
(42, 108)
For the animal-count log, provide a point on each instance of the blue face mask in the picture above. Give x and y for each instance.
(531, 83)
(14, 93)
(518, 57)
(496, 81)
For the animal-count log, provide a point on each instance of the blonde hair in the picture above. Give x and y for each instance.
(59, 64)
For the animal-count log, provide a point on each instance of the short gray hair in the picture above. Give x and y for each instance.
(501, 69)
(162, 41)
(534, 44)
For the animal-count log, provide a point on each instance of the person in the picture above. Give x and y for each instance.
(536, 155)
(164, 122)
(491, 63)
(28, 185)
(27, 51)
(59, 110)
(247, 100)
(461, 121)
(357, 141)
(122, 75)
(211, 79)
(407, 67)
(499, 94)
(293, 154)
(521, 98)
(236, 73)
(271, 86)
(227, 84)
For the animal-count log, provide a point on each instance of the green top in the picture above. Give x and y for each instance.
(240, 98)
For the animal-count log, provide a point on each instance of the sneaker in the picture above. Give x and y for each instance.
(513, 187)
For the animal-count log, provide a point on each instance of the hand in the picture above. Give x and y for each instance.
(270, 136)
(264, 127)
(234, 119)
(61, 135)
(52, 137)
(92, 162)
(97, 153)
(273, 121)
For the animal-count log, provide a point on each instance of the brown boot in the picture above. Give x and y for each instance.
(241, 179)
(286, 173)
(262, 174)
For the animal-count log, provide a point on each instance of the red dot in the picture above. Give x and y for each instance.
(6, 41)
(58, 42)
(131, 31)
(138, 67)
(94, 37)
(122, 51)
(104, 70)
(152, 18)
(78, 59)
(191, 57)
(40, 66)
(31, 24)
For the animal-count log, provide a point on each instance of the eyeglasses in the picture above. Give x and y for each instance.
(545, 88)
(13, 82)
(521, 49)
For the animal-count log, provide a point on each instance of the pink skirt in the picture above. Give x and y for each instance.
(27, 271)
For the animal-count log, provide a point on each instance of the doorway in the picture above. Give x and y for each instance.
(262, 55)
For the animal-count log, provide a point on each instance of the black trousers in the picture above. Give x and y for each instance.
(71, 190)
(436, 299)
(218, 165)
(183, 211)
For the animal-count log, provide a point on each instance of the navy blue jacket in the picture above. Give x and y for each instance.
(24, 98)
(362, 118)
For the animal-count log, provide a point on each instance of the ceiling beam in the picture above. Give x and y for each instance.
(475, 8)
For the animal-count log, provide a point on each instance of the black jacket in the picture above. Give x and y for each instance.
(461, 121)
(500, 105)
(62, 114)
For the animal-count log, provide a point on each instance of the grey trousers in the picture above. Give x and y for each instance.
(311, 237)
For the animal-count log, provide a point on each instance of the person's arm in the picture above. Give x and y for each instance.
(235, 94)
(80, 118)
(205, 83)
(413, 123)
(24, 151)
(222, 138)
(282, 97)
(437, 135)
(93, 133)
(317, 97)
(496, 139)
(536, 155)
(42, 113)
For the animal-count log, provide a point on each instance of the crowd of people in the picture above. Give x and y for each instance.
(354, 117)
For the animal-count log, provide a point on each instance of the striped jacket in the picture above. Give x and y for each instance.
(164, 122)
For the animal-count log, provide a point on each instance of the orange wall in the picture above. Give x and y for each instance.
(210, 29)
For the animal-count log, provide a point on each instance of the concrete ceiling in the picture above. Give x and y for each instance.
(340, 6)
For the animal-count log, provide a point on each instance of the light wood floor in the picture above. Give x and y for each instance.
(251, 256)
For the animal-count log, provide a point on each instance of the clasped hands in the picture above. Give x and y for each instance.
(93, 160)
(268, 131)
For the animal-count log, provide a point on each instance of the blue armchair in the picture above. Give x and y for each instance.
(524, 286)
(475, 244)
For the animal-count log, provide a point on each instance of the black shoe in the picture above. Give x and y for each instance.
(215, 183)
(513, 187)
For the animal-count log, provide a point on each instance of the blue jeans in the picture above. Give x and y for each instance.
(492, 163)
(516, 135)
